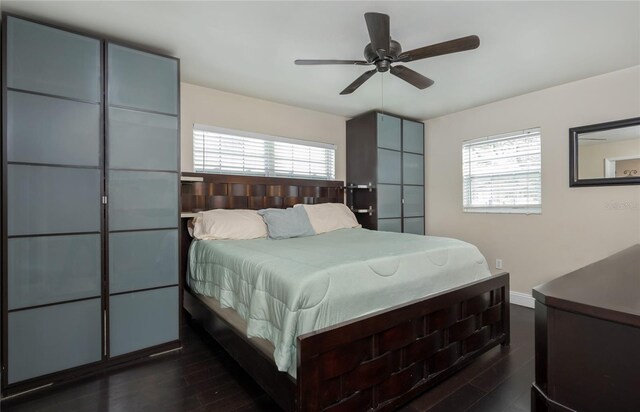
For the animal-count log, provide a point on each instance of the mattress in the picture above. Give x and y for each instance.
(285, 288)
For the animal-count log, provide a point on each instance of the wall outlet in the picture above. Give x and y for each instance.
(498, 263)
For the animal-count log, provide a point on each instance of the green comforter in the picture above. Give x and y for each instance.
(285, 288)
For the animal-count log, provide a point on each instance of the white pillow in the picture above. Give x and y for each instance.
(238, 224)
(327, 217)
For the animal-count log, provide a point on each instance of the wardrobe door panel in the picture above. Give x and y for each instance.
(390, 225)
(53, 338)
(142, 80)
(412, 169)
(389, 166)
(44, 129)
(389, 201)
(413, 201)
(139, 260)
(52, 61)
(142, 319)
(45, 200)
(142, 200)
(389, 132)
(134, 135)
(51, 269)
(412, 136)
(414, 225)
(143, 185)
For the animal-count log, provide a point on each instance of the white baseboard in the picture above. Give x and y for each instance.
(522, 299)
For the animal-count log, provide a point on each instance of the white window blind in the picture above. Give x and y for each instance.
(502, 174)
(225, 151)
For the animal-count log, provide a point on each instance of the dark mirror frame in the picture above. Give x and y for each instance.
(574, 132)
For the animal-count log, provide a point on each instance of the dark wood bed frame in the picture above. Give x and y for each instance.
(376, 362)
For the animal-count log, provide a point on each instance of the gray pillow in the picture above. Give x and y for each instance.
(286, 223)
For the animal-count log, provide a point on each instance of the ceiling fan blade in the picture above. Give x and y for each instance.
(451, 46)
(378, 26)
(318, 62)
(412, 77)
(358, 82)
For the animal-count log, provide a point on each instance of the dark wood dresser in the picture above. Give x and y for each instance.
(587, 337)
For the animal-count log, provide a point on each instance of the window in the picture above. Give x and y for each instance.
(225, 151)
(501, 174)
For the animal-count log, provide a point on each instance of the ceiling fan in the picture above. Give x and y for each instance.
(383, 51)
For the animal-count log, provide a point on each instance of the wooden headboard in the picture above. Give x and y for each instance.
(255, 192)
(248, 192)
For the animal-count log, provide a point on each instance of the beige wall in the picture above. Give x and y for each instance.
(216, 108)
(577, 225)
(591, 156)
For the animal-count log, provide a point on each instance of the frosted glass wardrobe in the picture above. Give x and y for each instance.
(90, 204)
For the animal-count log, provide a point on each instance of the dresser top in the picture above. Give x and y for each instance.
(608, 289)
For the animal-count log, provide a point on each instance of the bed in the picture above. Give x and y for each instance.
(379, 359)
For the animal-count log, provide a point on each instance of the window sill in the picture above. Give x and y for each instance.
(505, 210)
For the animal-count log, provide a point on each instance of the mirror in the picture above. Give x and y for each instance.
(605, 153)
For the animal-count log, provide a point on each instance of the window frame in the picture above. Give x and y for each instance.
(529, 209)
(269, 161)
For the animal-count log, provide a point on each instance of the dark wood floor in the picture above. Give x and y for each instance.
(201, 377)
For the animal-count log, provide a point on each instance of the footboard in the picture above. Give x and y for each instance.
(380, 361)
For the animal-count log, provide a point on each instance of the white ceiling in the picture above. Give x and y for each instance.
(249, 47)
(623, 133)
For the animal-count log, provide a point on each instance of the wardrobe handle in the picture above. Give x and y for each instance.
(104, 331)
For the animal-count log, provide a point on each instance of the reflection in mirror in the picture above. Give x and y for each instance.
(606, 154)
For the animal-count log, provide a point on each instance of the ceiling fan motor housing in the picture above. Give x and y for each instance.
(383, 64)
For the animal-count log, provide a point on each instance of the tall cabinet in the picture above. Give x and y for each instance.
(385, 172)
(89, 204)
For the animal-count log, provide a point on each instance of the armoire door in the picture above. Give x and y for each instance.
(52, 187)
(413, 176)
(389, 173)
(143, 192)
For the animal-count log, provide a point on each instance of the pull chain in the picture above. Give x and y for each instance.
(382, 92)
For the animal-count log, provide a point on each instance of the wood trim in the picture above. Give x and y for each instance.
(181, 279)
(218, 191)
(106, 291)
(62, 302)
(104, 213)
(361, 136)
(135, 109)
(221, 178)
(128, 292)
(4, 358)
(71, 99)
(377, 111)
